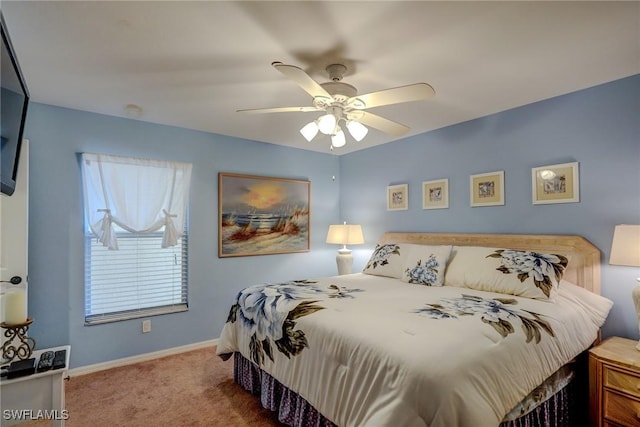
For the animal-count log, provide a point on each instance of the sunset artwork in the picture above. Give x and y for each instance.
(262, 215)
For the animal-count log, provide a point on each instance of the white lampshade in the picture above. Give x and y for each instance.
(327, 124)
(357, 130)
(309, 131)
(625, 249)
(338, 140)
(345, 234)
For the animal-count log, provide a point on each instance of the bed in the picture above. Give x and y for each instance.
(438, 330)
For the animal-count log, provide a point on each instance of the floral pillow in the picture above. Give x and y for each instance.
(507, 271)
(425, 265)
(386, 260)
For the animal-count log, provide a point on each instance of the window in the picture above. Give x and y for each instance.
(139, 279)
(135, 257)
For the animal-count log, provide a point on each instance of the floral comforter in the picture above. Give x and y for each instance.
(374, 351)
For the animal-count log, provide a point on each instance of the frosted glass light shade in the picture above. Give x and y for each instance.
(338, 140)
(327, 124)
(357, 130)
(625, 249)
(309, 131)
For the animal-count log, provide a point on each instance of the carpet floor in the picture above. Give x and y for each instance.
(195, 388)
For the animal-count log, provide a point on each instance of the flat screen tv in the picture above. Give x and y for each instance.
(14, 100)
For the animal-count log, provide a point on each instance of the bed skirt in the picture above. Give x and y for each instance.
(560, 410)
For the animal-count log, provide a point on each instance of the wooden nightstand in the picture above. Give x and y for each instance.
(614, 383)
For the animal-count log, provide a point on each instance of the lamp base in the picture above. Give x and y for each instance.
(344, 259)
(635, 294)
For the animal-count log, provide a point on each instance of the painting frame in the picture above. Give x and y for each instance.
(486, 189)
(262, 215)
(435, 194)
(398, 197)
(559, 183)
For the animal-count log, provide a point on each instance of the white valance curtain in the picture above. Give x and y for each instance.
(139, 195)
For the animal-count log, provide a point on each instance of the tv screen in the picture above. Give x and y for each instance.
(14, 100)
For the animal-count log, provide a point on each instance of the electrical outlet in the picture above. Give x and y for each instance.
(146, 326)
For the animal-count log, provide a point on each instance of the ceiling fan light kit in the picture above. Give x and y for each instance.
(340, 102)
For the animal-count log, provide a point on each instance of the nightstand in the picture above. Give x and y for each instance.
(614, 383)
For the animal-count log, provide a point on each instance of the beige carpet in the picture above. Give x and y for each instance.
(189, 389)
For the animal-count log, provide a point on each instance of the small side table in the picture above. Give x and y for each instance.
(614, 383)
(35, 396)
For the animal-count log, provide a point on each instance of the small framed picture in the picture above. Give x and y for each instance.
(398, 197)
(487, 189)
(555, 184)
(435, 194)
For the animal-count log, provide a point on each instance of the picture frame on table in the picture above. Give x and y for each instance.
(435, 194)
(260, 215)
(398, 197)
(486, 189)
(555, 184)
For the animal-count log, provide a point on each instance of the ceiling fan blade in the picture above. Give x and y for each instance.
(385, 125)
(409, 93)
(299, 76)
(280, 110)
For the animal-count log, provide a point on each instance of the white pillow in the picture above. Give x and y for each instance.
(595, 306)
(425, 265)
(386, 260)
(507, 271)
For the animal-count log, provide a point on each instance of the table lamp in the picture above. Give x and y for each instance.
(625, 250)
(345, 234)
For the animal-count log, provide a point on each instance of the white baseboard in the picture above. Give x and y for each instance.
(84, 370)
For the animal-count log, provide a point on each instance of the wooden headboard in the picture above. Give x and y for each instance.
(584, 258)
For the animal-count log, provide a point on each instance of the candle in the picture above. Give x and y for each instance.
(15, 306)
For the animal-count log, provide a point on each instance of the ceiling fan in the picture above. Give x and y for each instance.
(342, 104)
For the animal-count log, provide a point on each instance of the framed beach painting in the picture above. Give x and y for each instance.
(398, 197)
(487, 189)
(435, 194)
(261, 215)
(555, 184)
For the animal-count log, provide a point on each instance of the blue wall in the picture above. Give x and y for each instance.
(597, 127)
(56, 270)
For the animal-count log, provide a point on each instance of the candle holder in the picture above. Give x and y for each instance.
(17, 332)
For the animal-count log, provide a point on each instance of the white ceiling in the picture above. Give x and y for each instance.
(193, 64)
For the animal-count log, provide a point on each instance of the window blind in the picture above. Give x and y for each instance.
(138, 280)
